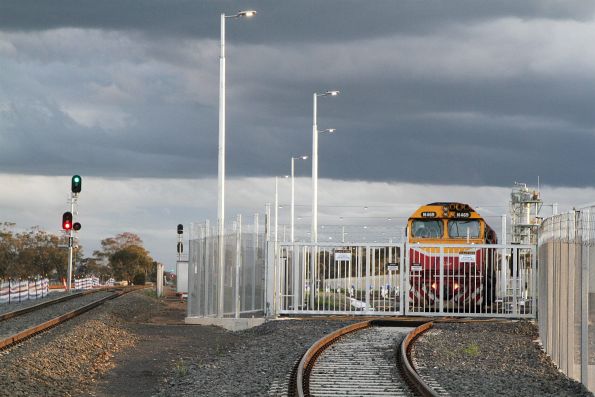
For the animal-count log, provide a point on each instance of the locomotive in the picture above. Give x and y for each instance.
(451, 265)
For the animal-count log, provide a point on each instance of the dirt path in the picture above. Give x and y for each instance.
(164, 349)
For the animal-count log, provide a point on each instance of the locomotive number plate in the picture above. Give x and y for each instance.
(428, 214)
(462, 214)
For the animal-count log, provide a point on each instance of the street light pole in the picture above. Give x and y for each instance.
(221, 156)
(293, 194)
(314, 231)
(276, 210)
(314, 234)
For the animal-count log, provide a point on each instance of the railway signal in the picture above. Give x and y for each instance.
(67, 221)
(180, 245)
(76, 184)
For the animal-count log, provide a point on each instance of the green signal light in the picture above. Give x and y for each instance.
(76, 184)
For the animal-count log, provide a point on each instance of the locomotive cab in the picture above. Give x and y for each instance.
(467, 271)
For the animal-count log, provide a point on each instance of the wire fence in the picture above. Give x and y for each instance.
(566, 311)
(238, 290)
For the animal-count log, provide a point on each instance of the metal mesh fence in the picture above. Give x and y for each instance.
(235, 289)
(567, 292)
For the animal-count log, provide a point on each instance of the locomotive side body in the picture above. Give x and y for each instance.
(468, 275)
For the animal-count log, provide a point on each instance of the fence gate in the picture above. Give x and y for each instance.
(471, 280)
(340, 279)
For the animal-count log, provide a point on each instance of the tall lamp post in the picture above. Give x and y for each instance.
(293, 194)
(314, 234)
(221, 162)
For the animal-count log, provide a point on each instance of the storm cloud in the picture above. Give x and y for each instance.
(456, 92)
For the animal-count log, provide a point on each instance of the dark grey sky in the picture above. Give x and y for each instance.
(457, 92)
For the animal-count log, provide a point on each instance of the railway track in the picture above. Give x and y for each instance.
(46, 303)
(369, 358)
(31, 321)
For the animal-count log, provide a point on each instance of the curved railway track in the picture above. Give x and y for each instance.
(368, 358)
(24, 334)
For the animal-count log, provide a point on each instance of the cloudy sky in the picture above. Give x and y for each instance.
(439, 101)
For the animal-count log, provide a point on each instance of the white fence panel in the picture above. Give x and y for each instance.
(339, 279)
(471, 280)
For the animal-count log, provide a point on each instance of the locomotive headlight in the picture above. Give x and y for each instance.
(434, 285)
(455, 286)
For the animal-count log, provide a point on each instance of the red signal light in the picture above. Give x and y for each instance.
(67, 220)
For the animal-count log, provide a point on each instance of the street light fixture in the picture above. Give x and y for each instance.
(314, 234)
(328, 131)
(293, 194)
(221, 155)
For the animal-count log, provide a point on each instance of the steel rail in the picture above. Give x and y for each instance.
(303, 370)
(20, 312)
(316, 349)
(415, 381)
(29, 332)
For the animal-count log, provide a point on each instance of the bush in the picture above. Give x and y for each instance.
(139, 279)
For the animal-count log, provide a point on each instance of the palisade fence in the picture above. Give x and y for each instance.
(566, 311)
(240, 290)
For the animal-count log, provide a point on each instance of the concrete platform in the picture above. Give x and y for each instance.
(231, 324)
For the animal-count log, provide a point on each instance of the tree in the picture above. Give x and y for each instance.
(111, 245)
(129, 261)
(8, 252)
(125, 255)
(32, 253)
(93, 267)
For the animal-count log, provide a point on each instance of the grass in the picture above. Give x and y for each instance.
(151, 292)
(472, 350)
(181, 368)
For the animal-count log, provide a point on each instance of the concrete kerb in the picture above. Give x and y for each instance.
(231, 324)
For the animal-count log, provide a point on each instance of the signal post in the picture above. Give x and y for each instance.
(69, 226)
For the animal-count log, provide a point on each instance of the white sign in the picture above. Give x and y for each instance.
(467, 258)
(416, 268)
(392, 267)
(343, 256)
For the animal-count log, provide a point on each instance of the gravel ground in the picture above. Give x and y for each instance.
(20, 323)
(490, 359)
(136, 346)
(65, 360)
(9, 307)
(257, 363)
